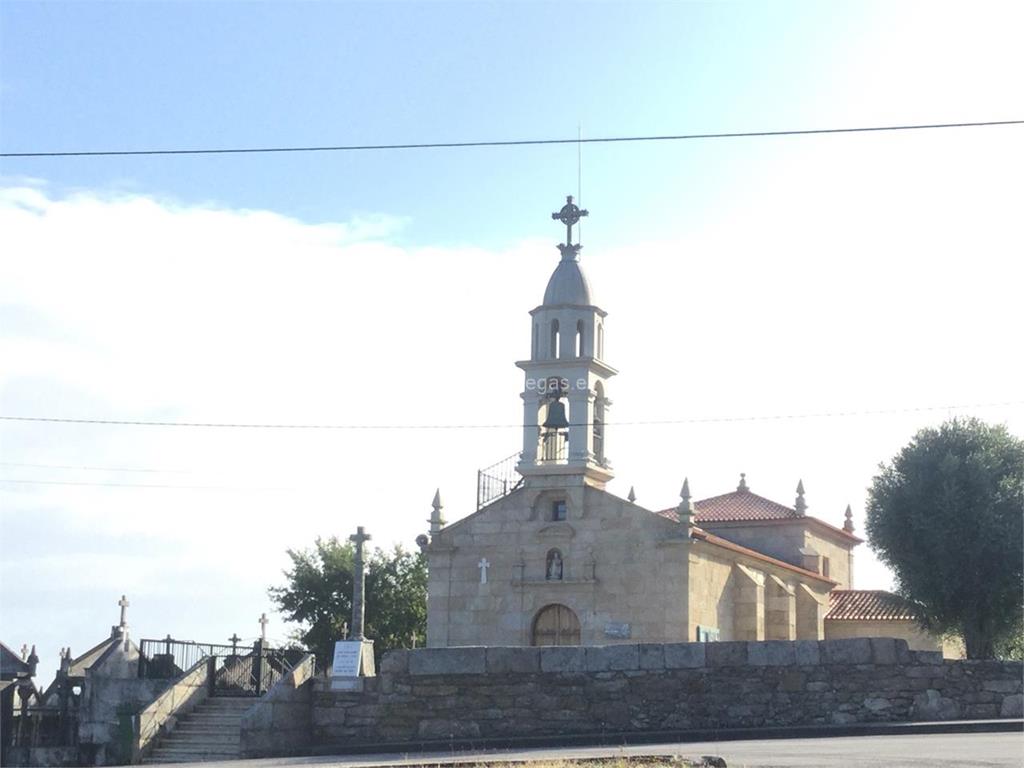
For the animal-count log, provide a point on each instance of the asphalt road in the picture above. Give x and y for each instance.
(901, 751)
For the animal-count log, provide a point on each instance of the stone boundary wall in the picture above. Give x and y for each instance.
(443, 695)
(281, 721)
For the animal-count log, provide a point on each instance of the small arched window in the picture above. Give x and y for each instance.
(559, 510)
(599, 421)
(579, 338)
(554, 338)
(555, 566)
(600, 340)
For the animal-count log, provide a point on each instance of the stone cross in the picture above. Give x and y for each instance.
(123, 602)
(263, 627)
(234, 640)
(569, 215)
(24, 652)
(344, 630)
(167, 644)
(483, 565)
(358, 586)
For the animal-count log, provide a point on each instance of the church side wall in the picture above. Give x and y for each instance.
(719, 594)
(837, 554)
(441, 696)
(711, 603)
(782, 542)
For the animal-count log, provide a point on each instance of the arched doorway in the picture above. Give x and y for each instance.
(556, 625)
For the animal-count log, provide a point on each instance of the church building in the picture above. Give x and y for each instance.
(550, 557)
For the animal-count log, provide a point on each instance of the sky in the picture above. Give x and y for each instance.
(798, 306)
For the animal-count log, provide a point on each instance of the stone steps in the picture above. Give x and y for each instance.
(211, 731)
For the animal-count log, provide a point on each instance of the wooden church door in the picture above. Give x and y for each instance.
(556, 625)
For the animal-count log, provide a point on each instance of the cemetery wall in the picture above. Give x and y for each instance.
(443, 695)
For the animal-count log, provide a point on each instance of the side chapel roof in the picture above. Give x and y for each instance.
(868, 605)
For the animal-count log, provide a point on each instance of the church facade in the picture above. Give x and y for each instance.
(553, 558)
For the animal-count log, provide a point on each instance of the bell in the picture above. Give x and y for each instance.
(556, 416)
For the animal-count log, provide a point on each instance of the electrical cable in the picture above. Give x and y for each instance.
(501, 143)
(653, 422)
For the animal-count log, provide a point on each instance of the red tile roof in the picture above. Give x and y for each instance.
(868, 605)
(736, 506)
(741, 505)
(747, 507)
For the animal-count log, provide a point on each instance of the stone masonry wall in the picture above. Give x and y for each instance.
(280, 722)
(447, 694)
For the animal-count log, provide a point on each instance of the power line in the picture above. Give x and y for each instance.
(91, 469)
(503, 143)
(384, 427)
(142, 485)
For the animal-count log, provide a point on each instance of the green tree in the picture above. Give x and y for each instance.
(318, 595)
(946, 515)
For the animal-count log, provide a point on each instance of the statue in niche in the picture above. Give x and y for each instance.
(554, 572)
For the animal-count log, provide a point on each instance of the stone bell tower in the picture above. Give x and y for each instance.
(565, 402)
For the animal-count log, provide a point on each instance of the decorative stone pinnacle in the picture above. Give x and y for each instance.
(685, 505)
(631, 498)
(848, 525)
(569, 215)
(685, 509)
(436, 519)
(800, 506)
(743, 482)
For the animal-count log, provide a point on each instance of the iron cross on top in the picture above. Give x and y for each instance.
(569, 215)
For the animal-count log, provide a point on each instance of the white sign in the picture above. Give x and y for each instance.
(347, 654)
(617, 629)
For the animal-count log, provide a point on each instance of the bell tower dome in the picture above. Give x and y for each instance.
(565, 404)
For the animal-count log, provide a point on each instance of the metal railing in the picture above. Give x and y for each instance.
(497, 480)
(234, 670)
(41, 726)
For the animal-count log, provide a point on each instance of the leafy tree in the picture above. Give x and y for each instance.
(946, 515)
(318, 595)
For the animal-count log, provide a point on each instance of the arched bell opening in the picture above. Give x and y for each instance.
(553, 416)
(553, 349)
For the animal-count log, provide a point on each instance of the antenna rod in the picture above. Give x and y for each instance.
(579, 176)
